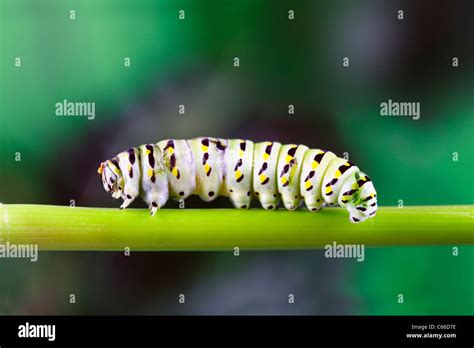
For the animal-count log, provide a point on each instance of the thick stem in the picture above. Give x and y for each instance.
(65, 228)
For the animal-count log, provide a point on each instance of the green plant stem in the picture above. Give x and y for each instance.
(66, 228)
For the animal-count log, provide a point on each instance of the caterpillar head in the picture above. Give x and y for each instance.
(112, 179)
(362, 201)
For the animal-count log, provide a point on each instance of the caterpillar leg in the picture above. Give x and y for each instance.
(127, 200)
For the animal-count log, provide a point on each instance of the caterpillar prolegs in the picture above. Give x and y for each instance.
(240, 170)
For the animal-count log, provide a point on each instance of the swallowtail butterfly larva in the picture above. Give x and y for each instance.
(240, 170)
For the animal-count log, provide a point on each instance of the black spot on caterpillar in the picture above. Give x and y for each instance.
(241, 170)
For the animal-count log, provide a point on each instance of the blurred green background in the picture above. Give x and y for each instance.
(190, 62)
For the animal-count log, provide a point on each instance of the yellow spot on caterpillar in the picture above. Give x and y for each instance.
(265, 156)
(328, 189)
(293, 172)
(338, 174)
(262, 178)
(268, 143)
(170, 150)
(147, 151)
(150, 172)
(113, 167)
(284, 180)
(314, 165)
(238, 174)
(100, 169)
(241, 153)
(129, 167)
(307, 184)
(204, 148)
(288, 158)
(174, 171)
(207, 167)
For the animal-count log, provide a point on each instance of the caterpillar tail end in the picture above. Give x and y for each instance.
(357, 194)
(358, 218)
(362, 210)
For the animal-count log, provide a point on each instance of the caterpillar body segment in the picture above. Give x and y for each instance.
(289, 166)
(240, 170)
(311, 178)
(154, 179)
(208, 156)
(265, 159)
(177, 161)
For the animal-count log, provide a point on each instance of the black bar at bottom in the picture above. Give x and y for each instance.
(430, 330)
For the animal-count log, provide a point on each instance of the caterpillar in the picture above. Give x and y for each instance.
(241, 170)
